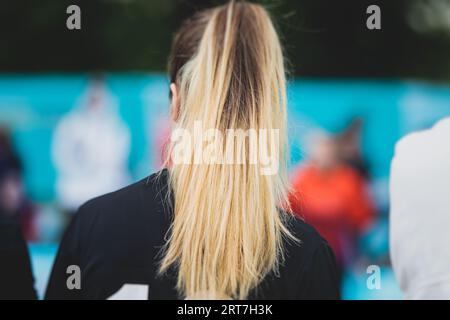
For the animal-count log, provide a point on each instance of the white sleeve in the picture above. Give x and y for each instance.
(420, 213)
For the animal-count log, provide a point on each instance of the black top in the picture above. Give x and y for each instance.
(116, 239)
(16, 277)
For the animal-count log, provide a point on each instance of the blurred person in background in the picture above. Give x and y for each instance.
(420, 213)
(206, 230)
(14, 197)
(348, 146)
(90, 148)
(16, 278)
(331, 195)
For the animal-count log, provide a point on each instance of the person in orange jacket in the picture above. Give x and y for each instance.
(332, 197)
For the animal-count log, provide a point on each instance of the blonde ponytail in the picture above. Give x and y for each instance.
(227, 230)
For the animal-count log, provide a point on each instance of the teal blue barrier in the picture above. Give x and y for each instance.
(31, 106)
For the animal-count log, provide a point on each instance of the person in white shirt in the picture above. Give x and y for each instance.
(420, 213)
(90, 149)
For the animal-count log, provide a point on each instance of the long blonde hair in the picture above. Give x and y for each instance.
(227, 230)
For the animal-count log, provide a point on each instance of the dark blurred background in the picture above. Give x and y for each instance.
(322, 38)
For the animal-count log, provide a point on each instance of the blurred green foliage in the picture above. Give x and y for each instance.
(322, 38)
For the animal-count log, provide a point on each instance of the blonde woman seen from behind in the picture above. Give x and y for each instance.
(209, 226)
